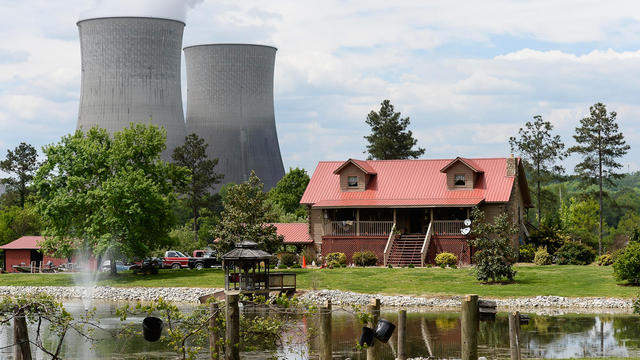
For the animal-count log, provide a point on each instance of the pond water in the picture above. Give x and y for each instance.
(428, 334)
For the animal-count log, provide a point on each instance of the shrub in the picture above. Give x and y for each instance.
(445, 259)
(365, 258)
(282, 266)
(309, 255)
(605, 260)
(542, 257)
(527, 253)
(296, 266)
(549, 235)
(627, 264)
(390, 266)
(336, 259)
(495, 255)
(288, 259)
(411, 266)
(575, 253)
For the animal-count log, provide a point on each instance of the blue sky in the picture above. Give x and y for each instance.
(468, 73)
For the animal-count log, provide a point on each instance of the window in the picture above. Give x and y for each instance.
(459, 180)
(352, 181)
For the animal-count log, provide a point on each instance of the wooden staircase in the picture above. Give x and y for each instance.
(406, 250)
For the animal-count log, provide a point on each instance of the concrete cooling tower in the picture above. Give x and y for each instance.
(131, 73)
(230, 105)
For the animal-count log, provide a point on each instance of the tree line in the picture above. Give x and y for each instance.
(115, 197)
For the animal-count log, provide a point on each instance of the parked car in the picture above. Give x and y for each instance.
(175, 260)
(204, 259)
(147, 266)
(120, 266)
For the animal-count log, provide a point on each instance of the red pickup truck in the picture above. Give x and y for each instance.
(175, 260)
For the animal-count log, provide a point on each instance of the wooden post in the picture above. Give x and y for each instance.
(233, 327)
(326, 349)
(514, 335)
(402, 337)
(22, 348)
(374, 310)
(470, 327)
(214, 347)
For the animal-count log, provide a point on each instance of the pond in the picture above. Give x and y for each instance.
(434, 334)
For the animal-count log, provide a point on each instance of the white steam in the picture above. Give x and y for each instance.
(166, 9)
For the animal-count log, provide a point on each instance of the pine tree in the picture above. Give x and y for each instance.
(600, 144)
(23, 162)
(540, 150)
(192, 155)
(389, 137)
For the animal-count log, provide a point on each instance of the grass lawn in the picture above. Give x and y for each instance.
(567, 280)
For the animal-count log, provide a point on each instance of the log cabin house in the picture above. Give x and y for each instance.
(408, 211)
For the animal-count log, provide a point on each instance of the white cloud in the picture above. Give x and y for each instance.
(338, 59)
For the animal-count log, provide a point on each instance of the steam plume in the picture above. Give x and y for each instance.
(167, 9)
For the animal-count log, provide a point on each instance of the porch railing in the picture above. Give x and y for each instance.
(425, 245)
(358, 228)
(447, 227)
(387, 248)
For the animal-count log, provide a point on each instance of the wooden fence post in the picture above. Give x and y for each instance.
(402, 338)
(326, 349)
(22, 348)
(470, 327)
(374, 311)
(514, 335)
(214, 347)
(232, 351)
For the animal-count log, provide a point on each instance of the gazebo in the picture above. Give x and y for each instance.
(246, 269)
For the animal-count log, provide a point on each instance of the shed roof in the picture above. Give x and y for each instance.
(24, 243)
(411, 183)
(294, 233)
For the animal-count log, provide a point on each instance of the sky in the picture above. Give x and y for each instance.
(469, 74)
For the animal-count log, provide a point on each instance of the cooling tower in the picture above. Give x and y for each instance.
(230, 105)
(131, 73)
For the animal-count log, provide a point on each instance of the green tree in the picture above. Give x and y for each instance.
(192, 155)
(540, 150)
(247, 215)
(389, 137)
(289, 190)
(580, 220)
(107, 194)
(495, 255)
(16, 222)
(600, 144)
(23, 163)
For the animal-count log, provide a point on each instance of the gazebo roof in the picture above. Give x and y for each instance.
(246, 250)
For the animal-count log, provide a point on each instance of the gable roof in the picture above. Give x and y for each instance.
(467, 162)
(294, 233)
(410, 183)
(360, 164)
(24, 243)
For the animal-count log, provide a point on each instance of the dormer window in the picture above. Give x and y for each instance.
(459, 180)
(352, 181)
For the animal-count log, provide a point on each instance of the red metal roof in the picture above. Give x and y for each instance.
(467, 162)
(362, 164)
(25, 242)
(294, 233)
(410, 183)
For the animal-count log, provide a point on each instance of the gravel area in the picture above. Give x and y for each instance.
(538, 304)
(173, 294)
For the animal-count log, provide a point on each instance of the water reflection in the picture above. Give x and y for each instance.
(566, 336)
(428, 334)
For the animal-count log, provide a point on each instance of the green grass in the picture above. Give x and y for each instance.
(571, 281)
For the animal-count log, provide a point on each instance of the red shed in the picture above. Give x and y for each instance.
(24, 251)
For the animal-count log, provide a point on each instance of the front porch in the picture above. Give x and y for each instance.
(399, 236)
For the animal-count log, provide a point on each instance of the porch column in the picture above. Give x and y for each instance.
(431, 214)
(357, 222)
(394, 216)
